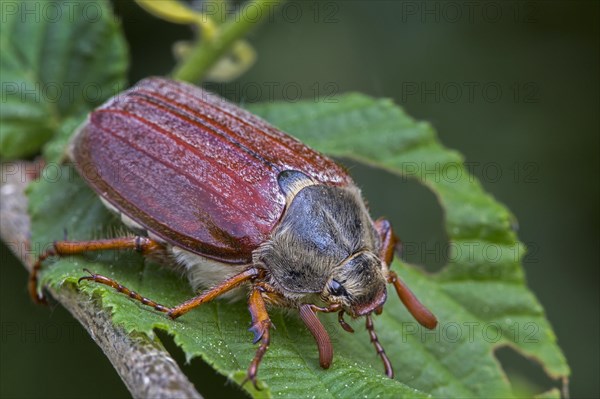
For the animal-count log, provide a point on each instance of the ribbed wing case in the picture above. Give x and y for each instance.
(194, 169)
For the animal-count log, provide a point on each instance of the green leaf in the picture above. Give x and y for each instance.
(58, 59)
(481, 303)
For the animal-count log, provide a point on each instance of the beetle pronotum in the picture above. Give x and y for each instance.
(234, 202)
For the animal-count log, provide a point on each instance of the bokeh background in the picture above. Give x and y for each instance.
(511, 85)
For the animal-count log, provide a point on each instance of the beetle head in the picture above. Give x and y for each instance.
(324, 245)
(358, 284)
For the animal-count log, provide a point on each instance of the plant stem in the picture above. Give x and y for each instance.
(143, 364)
(207, 52)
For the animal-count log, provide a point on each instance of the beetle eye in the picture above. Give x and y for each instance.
(336, 288)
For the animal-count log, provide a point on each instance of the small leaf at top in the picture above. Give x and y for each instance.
(58, 59)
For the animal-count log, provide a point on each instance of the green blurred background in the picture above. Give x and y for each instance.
(511, 85)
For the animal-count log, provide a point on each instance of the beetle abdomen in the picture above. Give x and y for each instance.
(204, 273)
(193, 169)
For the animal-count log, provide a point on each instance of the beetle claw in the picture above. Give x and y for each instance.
(251, 378)
(258, 329)
(258, 333)
(91, 276)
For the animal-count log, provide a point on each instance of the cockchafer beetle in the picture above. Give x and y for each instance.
(234, 202)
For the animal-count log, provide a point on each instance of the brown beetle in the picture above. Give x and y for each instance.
(234, 202)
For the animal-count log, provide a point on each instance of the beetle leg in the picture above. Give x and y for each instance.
(414, 306)
(63, 248)
(312, 322)
(267, 288)
(261, 324)
(389, 371)
(97, 278)
(389, 241)
(227, 285)
(184, 307)
(334, 307)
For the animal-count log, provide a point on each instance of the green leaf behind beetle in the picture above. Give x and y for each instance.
(486, 300)
(59, 59)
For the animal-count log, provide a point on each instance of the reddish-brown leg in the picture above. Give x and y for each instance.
(389, 371)
(261, 325)
(227, 285)
(175, 312)
(97, 278)
(64, 248)
(389, 243)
